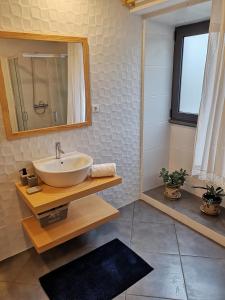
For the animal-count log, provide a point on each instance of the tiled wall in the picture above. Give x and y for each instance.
(157, 97)
(182, 140)
(115, 58)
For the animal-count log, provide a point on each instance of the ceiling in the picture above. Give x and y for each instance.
(147, 6)
(196, 13)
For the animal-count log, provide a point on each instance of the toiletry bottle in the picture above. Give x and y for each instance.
(23, 176)
(32, 180)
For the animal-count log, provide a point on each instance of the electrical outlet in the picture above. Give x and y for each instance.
(96, 108)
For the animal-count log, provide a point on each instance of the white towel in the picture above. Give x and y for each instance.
(103, 170)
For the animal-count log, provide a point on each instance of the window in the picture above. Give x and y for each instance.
(191, 42)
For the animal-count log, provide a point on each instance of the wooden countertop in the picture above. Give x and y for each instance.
(51, 197)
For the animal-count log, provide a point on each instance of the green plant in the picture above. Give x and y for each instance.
(213, 195)
(176, 178)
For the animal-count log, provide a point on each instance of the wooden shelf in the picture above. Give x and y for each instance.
(83, 215)
(51, 197)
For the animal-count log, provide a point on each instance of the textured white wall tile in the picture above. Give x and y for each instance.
(157, 99)
(115, 59)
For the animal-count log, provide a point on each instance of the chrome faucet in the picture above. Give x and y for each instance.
(58, 150)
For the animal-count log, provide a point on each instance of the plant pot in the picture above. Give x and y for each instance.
(172, 192)
(212, 209)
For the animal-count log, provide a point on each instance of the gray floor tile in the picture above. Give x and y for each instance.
(25, 267)
(10, 266)
(108, 232)
(126, 212)
(153, 233)
(204, 277)
(154, 237)
(165, 281)
(13, 291)
(158, 194)
(144, 212)
(120, 297)
(193, 243)
(189, 205)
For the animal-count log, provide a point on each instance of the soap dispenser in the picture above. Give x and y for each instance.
(23, 176)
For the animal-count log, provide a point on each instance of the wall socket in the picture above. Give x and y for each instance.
(95, 108)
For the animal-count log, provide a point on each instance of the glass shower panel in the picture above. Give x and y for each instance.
(21, 114)
(40, 91)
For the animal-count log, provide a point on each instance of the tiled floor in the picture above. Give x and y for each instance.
(186, 265)
(189, 205)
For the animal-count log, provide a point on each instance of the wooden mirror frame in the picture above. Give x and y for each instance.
(3, 98)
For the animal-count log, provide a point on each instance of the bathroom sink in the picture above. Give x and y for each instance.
(67, 171)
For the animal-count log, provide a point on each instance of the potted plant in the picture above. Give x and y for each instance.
(211, 199)
(173, 181)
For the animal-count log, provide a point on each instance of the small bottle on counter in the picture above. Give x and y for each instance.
(23, 176)
(32, 180)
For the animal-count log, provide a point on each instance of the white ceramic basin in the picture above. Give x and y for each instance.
(69, 170)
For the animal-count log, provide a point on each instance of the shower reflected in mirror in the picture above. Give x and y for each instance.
(39, 85)
(45, 83)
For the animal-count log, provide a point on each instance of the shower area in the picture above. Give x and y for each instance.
(39, 86)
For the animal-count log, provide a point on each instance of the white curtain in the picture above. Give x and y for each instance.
(76, 84)
(9, 93)
(209, 156)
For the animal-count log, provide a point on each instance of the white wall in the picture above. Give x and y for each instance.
(115, 62)
(165, 144)
(181, 151)
(157, 99)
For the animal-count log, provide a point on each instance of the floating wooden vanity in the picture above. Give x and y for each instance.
(85, 213)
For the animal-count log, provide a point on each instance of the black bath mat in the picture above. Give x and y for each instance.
(102, 274)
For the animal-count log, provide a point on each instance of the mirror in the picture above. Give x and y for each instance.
(44, 83)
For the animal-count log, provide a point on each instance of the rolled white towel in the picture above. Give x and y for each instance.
(103, 170)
